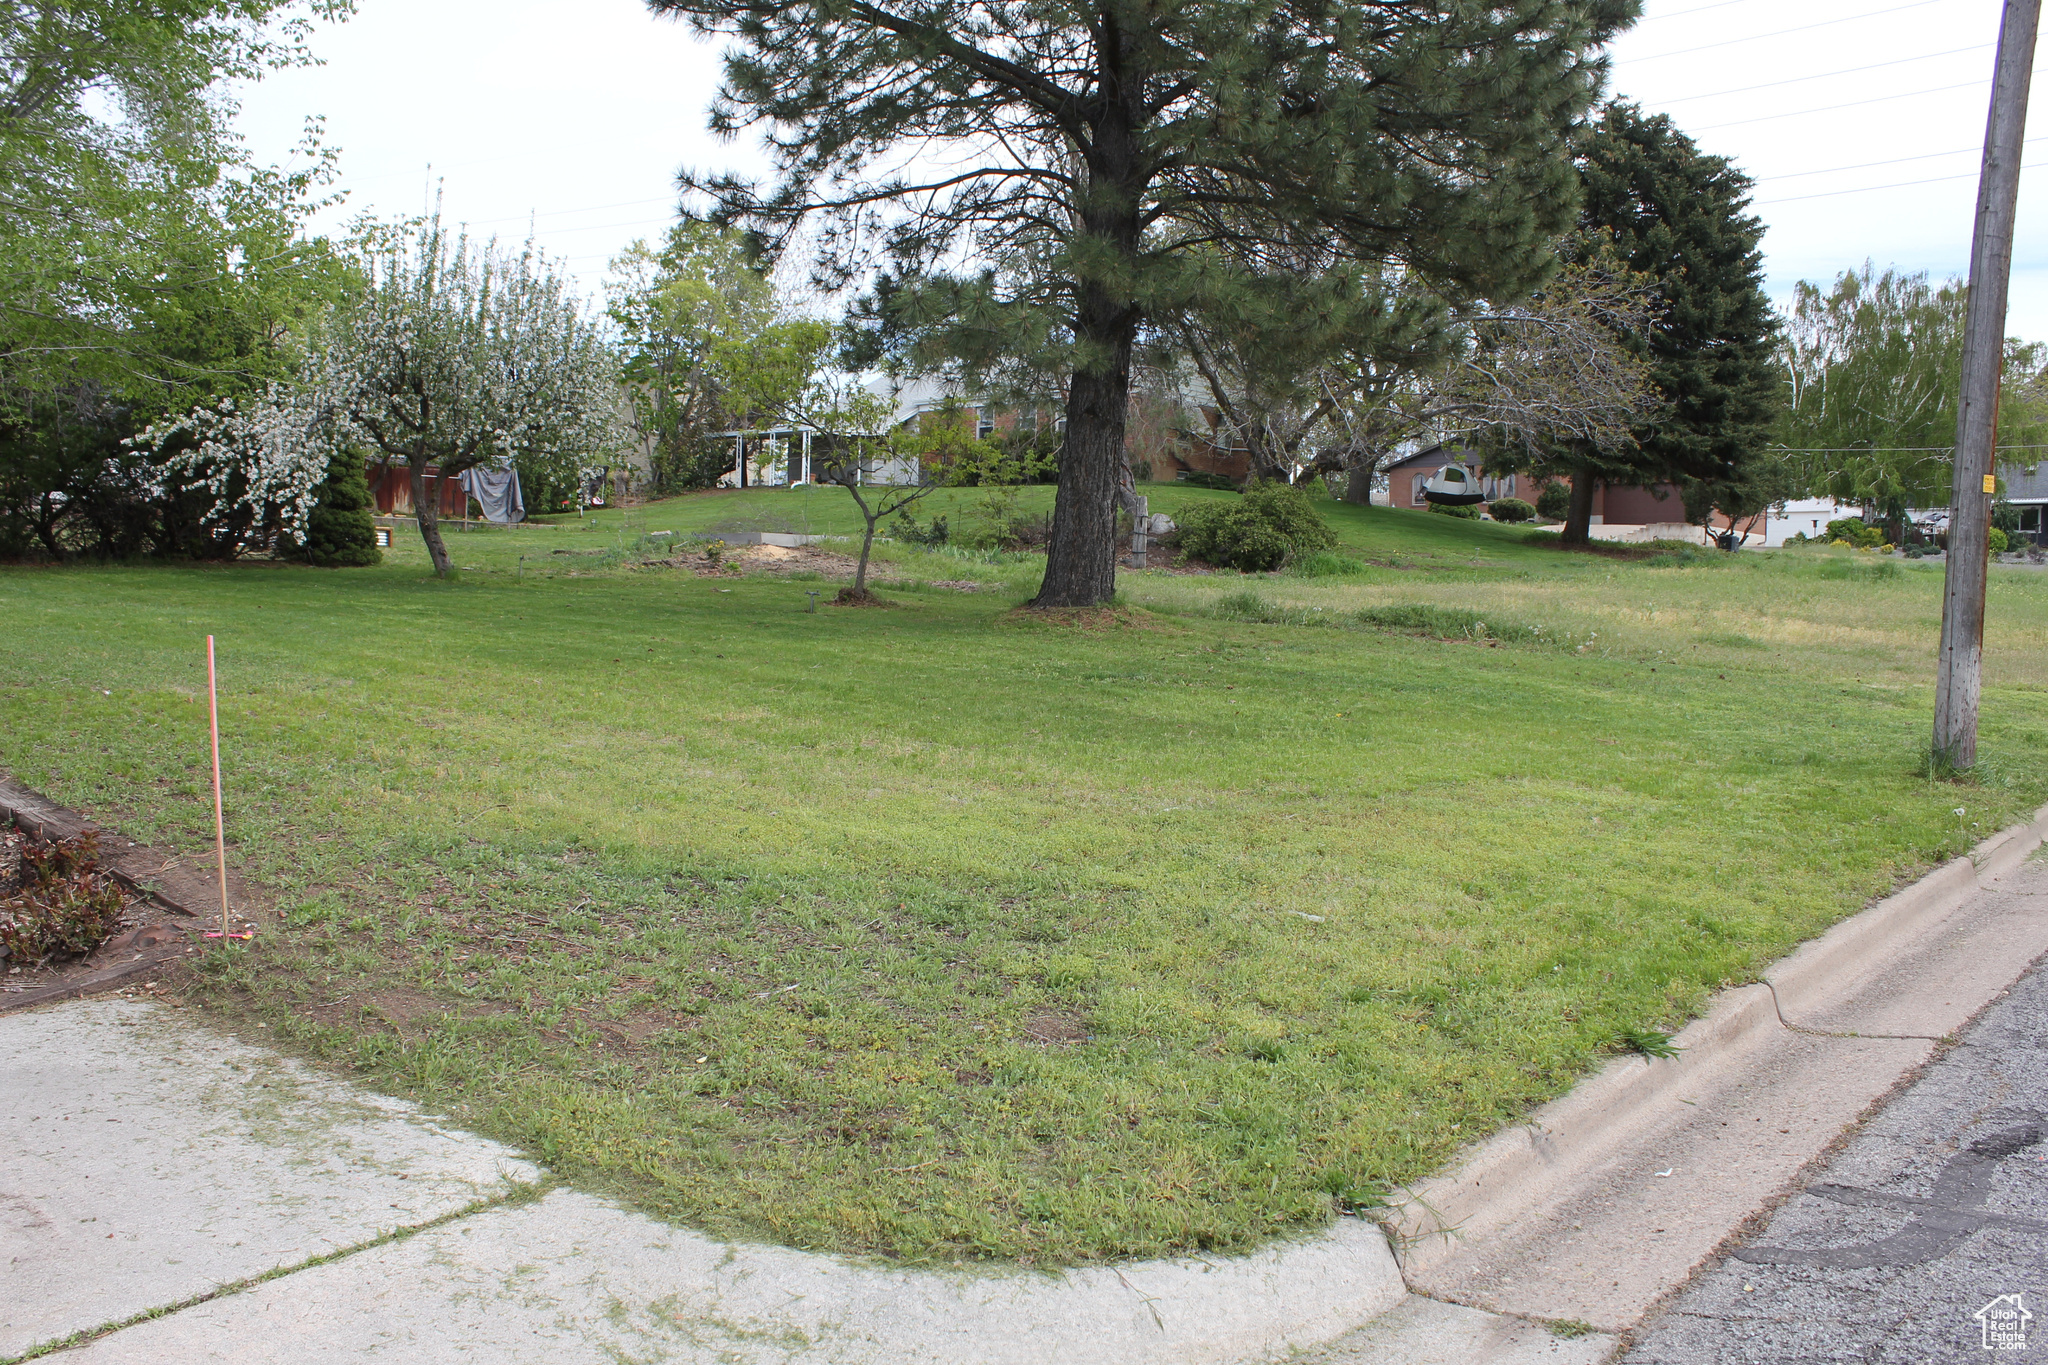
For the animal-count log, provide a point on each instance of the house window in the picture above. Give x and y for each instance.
(984, 425)
(1507, 486)
(2030, 519)
(1415, 496)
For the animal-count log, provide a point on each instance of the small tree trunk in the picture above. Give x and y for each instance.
(427, 511)
(1578, 522)
(860, 571)
(46, 526)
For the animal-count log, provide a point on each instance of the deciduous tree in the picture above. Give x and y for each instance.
(676, 307)
(1873, 367)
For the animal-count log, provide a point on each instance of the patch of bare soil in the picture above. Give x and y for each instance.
(783, 559)
(1055, 1030)
(630, 1032)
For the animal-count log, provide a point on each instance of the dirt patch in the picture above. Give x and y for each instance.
(1055, 1030)
(630, 1032)
(787, 559)
(401, 1005)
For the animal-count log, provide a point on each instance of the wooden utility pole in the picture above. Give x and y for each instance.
(1958, 680)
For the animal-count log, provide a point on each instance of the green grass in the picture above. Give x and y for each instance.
(945, 931)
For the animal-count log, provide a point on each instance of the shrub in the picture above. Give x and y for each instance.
(63, 906)
(341, 530)
(1469, 512)
(1512, 509)
(906, 529)
(1554, 503)
(1000, 521)
(1999, 543)
(1196, 478)
(1270, 525)
(1852, 531)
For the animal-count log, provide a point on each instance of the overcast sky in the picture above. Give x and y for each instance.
(1861, 120)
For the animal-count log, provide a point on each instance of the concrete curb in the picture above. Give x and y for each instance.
(1498, 1180)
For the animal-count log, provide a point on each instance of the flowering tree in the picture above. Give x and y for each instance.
(449, 356)
(260, 459)
(455, 356)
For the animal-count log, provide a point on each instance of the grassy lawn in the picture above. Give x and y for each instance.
(947, 932)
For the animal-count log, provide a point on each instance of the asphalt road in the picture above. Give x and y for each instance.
(1922, 1241)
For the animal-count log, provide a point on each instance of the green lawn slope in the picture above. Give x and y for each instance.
(947, 931)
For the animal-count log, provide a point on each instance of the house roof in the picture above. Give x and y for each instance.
(1432, 457)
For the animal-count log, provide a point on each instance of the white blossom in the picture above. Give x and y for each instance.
(269, 452)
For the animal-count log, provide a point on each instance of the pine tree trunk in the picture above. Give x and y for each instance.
(1578, 522)
(1080, 560)
(427, 510)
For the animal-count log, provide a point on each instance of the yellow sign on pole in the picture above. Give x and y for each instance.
(1990, 483)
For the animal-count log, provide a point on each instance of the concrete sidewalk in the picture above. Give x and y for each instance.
(214, 1201)
(173, 1194)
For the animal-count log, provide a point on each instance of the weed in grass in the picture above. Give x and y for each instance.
(1648, 1041)
(1327, 564)
(1449, 623)
(1571, 1329)
(1848, 570)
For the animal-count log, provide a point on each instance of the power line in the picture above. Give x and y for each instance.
(1899, 185)
(1802, 28)
(1852, 104)
(1824, 75)
(1869, 165)
(1696, 9)
(589, 208)
(1880, 450)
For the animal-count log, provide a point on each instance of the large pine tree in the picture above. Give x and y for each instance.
(1160, 158)
(1680, 218)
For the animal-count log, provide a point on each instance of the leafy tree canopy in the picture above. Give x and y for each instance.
(1873, 366)
(123, 190)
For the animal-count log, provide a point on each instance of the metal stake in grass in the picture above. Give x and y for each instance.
(220, 831)
(812, 593)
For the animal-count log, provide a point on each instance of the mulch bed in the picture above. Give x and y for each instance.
(164, 915)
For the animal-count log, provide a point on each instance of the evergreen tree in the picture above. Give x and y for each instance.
(1212, 155)
(341, 531)
(1679, 217)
